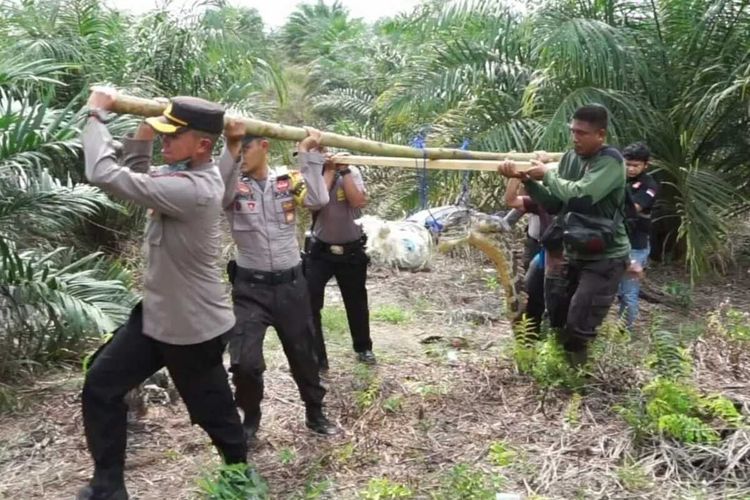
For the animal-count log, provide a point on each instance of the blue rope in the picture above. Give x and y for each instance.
(423, 187)
(464, 200)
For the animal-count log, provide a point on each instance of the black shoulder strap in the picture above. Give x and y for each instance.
(612, 152)
(615, 154)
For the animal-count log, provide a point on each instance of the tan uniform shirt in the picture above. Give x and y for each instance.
(263, 217)
(184, 299)
(334, 223)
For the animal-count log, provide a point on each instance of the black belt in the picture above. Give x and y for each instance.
(342, 248)
(270, 277)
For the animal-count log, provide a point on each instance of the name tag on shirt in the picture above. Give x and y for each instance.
(288, 208)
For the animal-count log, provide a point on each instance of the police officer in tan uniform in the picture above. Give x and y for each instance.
(185, 316)
(337, 249)
(269, 288)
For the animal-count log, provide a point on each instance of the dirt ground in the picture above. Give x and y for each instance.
(444, 393)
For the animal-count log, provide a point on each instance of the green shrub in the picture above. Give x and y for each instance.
(464, 482)
(385, 489)
(234, 482)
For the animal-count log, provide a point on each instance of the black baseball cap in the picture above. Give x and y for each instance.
(189, 112)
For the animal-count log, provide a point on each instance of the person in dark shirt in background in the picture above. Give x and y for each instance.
(642, 190)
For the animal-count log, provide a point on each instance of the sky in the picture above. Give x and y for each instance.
(275, 12)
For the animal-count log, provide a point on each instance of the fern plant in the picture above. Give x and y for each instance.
(678, 411)
(671, 406)
(686, 429)
(544, 359)
(722, 408)
(523, 347)
(668, 358)
(552, 368)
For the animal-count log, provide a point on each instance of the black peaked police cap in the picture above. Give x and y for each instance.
(189, 112)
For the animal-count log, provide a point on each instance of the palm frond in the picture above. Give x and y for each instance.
(34, 135)
(50, 302)
(42, 207)
(704, 202)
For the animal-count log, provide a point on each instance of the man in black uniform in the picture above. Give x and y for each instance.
(642, 190)
(185, 317)
(268, 286)
(337, 249)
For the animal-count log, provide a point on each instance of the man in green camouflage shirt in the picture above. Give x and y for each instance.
(588, 186)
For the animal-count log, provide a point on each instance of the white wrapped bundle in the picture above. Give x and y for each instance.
(429, 217)
(402, 244)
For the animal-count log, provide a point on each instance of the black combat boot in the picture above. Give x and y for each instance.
(317, 422)
(367, 357)
(107, 484)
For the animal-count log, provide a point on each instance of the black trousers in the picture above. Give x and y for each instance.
(126, 361)
(286, 307)
(578, 297)
(534, 285)
(350, 272)
(531, 247)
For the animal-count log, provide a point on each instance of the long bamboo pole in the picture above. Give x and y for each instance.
(125, 104)
(387, 161)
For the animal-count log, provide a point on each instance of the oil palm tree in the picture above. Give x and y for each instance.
(672, 73)
(51, 296)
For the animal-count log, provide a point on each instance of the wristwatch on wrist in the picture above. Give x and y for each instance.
(344, 171)
(99, 114)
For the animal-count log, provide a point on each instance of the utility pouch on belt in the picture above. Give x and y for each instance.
(589, 234)
(232, 270)
(307, 245)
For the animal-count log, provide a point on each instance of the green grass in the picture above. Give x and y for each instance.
(316, 490)
(391, 314)
(287, 456)
(501, 454)
(633, 477)
(393, 404)
(367, 386)
(334, 321)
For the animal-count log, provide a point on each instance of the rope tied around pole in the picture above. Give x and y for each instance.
(431, 223)
(464, 198)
